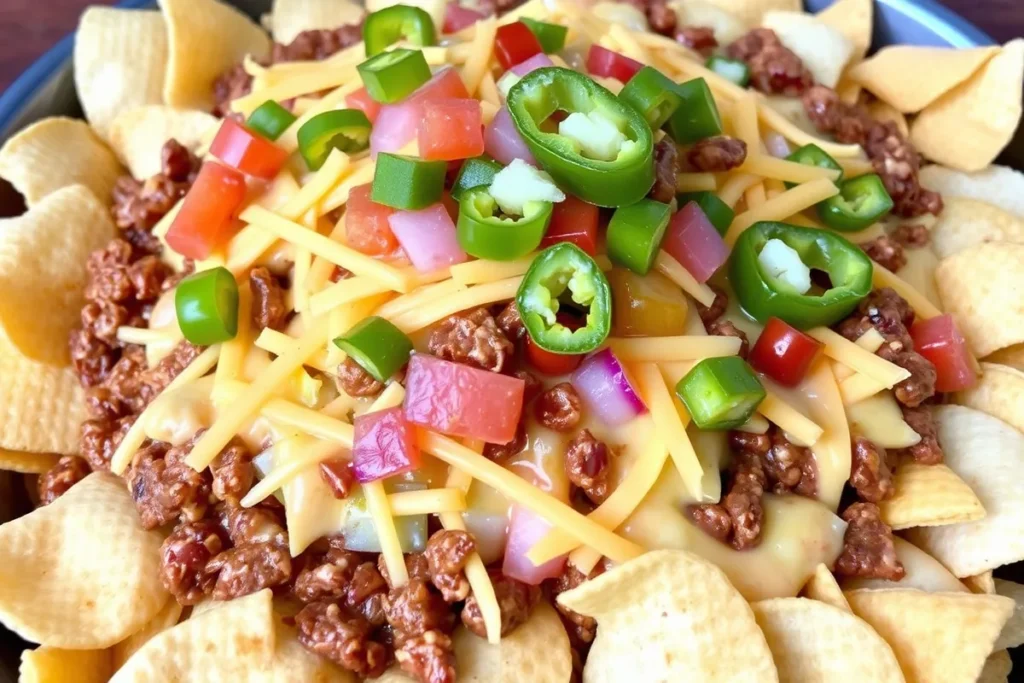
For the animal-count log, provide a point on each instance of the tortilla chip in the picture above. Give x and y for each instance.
(883, 111)
(812, 642)
(137, 135)
(235, 642)
(43, 406)
(989, 309)
(725, 25)
(937, 637)
(163, 620)
(929, 495)
(823, 587)
(964, 223)
(293, 662)
(750, 12)
(289, 18)
(999, 186)
(206, 39)
(997, 668)
(55, 153)
(1012, 634)
(910, 77)
(26, 463)
(981, 583)
(824, 50)
(43, 255)
(120, 60)
(80, 573)
(999, 392)
(985, 110)
(922, 572)
(854, 19)
(670, 616)
(989, 455)
(515, 659)
(53, 665)
(1011, 356)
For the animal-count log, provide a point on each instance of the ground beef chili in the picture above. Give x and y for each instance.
(581, 629)
(789, 468)
(774, 68)
(56, 481)
(870, 471)
(709, 314)
(140, 204)
(165, 488)
(559, 408)
(700, 39)
(352, 379)
(516, 601)
(886, 251)
(666, 170)
(868, 548)
(342, 636)
(737, 519)
(471, 337)
(183, 558)
(717, 154)
(268, 304)
(447, 552)
(927, 451)
(724, 328)
(586, 465)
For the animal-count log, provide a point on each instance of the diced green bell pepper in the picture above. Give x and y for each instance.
(720, 393)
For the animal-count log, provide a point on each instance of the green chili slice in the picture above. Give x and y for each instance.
(550, 36)
(206, 304)
(387, 26)
(720, 393)
(483, 233)
(653, 94)
(378, 346)
(635, 233)
(347, 130)
(270, 120)
(732, 70)
(697, 117)
(718, 212)
(475, 172)
(861, 202)
(812, 155)
(407, 183)
(390, 76)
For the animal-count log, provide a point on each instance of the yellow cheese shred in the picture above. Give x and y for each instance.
(324, 78)
(233, 352)
(870, 341)
(321, 269)
(343, 292)
(674, 271)
(427, 502)
(790, 420)
(735, 186)
(745, 120)
(289, 140)
(279, 343)
(670, 427)
(858, 387)
(696, 182)
(144, 335)
(848, 353)
(789, 171)
(480, 295)
(669, 349)
(419, 297)
(136, 434)
(883, 277)
(755, 196)
(289, 469)
(334, 168)
(786, 204)
(789, 130)
(480, 57)
(362, 173)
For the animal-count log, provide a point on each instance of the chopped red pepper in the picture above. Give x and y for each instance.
(252, 154)
(384, 444)
(573, 220)
(206, 219)
(366, 224)
(939, 340)
(460, 400)
(362, 101)
(784, 353)
(515, 43)
(548, 363)
(608, 64)
(451, 129)
(337, 474)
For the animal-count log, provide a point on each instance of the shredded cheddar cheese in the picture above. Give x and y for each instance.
(670, 427)
(866, 362)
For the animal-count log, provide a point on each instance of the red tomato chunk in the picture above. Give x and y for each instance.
(366, 224)
(362, 101)
(608, 64)
(206, 219)
(451, 129)
(573, 220)
(459, 400)
(515, 43)
(939, 340)
(784, 353)
(384, 445)
(248, 152)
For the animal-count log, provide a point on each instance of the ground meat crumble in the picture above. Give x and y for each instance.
(774, 68)
(868, 548)
(474, 338)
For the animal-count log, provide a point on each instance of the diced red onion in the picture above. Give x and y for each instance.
(525, 530)
(692, 240)
(396, 124)
(428, 237)
(538, 61)
(503, 142)
(384, 444)
(777, 145)
(605, 388)
(457, 17)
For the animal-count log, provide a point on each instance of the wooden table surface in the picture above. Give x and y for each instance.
(29, 27)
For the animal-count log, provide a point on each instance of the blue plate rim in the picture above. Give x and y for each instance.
(958, 31)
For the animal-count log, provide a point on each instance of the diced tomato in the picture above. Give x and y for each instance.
(206, 219)
(384, 444)
(548, 363)
(450, 205)
(445, 85)
(515, 43)
(252, 154)
(573, 220)
(692, 240)
(362, 101)
(784, 353)
(457, 17)
(366, 224)
(608, 64)
(459, 400)
(939, 340)
(451, 129)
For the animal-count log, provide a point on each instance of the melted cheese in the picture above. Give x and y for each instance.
(671, 349)
(427, 502)
(796, 425)
(674, 271)
(863, 361)
(289, 468)
(922, 306)
(923, 572)
(669, 426)
(880, 420)
(311, 510)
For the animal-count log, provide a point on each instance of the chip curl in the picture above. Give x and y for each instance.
(166, 618)
(750, 12)
(855, 19)
(981, 583)
(823, 587)
(813, 642)
(965, 223)
(54, 665)
(81, 572)
(137, 135)
(998, 392)
(937, 637)
(43, 274)
(1012, 634)
(26, 463)
(823, 48)
(670, 615)
(55, 153)
(289, 18)
(929, 495)
(922, 571)
(997, 668)
(1000, 186)
(988, 454)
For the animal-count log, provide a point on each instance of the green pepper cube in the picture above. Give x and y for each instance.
(206, 304)
(653, 94)
(270, 120)
(697, 117)
(733, 70)
(812, 155)
(475, 172)
(482, 232)
(720, 393)
(347, 130)
(387, 26)
(378, 346)
(861, 202)
(407, 183)
(718, 212)
(635, 233)
(390, 76)
(550, 36)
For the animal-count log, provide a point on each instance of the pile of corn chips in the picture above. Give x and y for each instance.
(81, 576)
